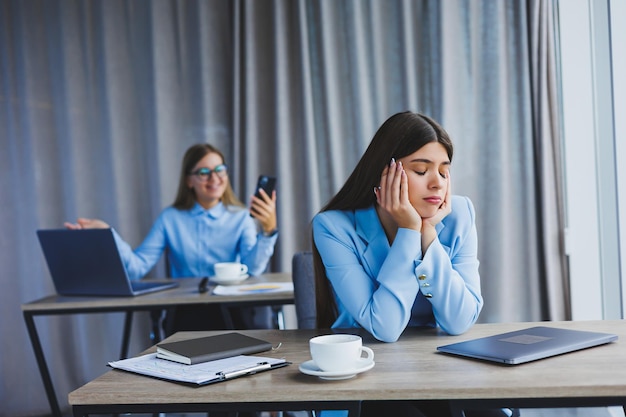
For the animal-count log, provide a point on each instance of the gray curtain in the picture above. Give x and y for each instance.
(99, 100)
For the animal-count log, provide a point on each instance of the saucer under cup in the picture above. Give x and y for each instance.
(310, 368)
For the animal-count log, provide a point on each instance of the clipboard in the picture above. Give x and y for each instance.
(200, 374)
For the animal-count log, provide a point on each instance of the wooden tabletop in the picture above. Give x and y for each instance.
(410, 369)
(185, 293)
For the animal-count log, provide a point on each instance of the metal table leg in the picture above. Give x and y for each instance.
(128, 324)
(41, 363)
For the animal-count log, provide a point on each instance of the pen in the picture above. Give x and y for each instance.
(258, 367)
(203, 287)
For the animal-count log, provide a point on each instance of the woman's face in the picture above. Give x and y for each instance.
(427, 172)
(208, 188)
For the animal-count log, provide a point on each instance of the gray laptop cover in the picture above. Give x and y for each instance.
(527, 345)
(87, 262)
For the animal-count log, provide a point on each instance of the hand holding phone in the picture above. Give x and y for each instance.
(264, 211)
(267, 183)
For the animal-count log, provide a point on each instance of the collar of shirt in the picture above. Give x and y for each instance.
(214, 212)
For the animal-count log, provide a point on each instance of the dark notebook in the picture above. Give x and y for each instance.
(211, 348)
(528, 344)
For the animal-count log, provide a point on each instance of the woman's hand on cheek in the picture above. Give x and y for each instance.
(393, 197)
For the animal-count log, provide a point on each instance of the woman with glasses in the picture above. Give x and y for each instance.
(206, 224)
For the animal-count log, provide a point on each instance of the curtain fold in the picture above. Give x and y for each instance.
(100, 99)
(549, 163)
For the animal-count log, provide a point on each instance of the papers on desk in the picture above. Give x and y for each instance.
(266, 287)
(199, 374)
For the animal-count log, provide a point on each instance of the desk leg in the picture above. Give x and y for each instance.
(41, 363)
(156, 317)
(228, 319)
(354, 409)
(456, 410)
(128, 324)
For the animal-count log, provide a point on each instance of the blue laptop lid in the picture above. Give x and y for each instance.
(527, 345)
(87, 262)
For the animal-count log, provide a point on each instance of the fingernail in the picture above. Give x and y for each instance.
(393, 160)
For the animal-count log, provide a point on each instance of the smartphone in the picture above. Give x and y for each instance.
(267, 183)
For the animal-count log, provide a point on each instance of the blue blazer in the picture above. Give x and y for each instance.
(384, 288)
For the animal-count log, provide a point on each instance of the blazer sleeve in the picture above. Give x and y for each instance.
(448, 271)
(140, 261)
(379, 303)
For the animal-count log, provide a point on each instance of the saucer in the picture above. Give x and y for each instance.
(241, 279)
(310, 368)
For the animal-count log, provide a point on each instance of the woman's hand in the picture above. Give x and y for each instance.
(264, 210)
(82, 223)
(393, 197)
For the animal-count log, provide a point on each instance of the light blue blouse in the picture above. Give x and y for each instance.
(196, 239)
(384, 288)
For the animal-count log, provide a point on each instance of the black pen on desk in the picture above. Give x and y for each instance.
(258, 367)
(204, 285)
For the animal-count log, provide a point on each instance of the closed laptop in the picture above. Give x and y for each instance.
(87, 262)
(528, 344)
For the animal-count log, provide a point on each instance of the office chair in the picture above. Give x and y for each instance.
(303, 278)
(304, 289)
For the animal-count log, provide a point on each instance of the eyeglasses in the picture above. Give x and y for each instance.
(205, 173)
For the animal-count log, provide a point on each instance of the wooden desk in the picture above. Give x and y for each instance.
(409, 369)
(185, 294)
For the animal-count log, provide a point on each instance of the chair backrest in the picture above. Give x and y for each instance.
(304, 289)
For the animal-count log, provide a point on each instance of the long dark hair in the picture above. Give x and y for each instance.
(186, 196)
(400, 135)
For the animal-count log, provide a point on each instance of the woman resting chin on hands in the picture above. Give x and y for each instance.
(394, 248)
(396, 210)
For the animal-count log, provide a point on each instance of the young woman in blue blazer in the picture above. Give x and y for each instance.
(397, 248)
(394, 248)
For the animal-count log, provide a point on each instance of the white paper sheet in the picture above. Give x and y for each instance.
(201, 373)
(253, 288)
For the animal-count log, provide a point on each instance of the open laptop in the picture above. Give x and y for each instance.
(87, 262)
(527, 345)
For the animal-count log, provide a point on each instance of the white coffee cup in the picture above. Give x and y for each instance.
(230, 271)
(339, 352)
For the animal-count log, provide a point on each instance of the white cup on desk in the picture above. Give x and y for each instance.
(230, 271)
(339, 352)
